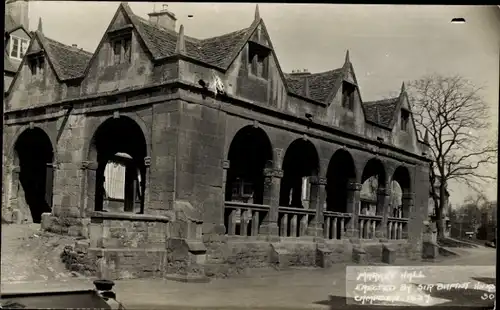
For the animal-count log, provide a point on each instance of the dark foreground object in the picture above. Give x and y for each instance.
(54, 300)
(100, 298)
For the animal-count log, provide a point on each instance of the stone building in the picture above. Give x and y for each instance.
(226, 162)
(16, 37)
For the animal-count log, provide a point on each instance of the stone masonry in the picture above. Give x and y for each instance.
(231, 164)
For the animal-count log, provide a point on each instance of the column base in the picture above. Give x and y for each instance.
(270, 231)
(381, 234)
(315, 230)
(352, 233)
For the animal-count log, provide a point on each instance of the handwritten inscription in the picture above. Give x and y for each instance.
(408, 286)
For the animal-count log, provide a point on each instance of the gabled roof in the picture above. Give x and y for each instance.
(381, 112)
(317, 86)
(8, 66)
(68, 62)
(216, 51)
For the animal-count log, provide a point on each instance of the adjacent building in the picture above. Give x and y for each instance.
(16, 37)
(172, 155)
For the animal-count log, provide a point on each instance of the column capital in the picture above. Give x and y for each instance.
(353, 186)
(383, 191)
(273, 173)
(316, 180)
(53, 165)
(147, 161)
(89, 165)
(226, 164)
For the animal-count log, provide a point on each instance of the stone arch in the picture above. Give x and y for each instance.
(341, 171)
(34, 155)
(249, 153)
(301, 161)
(402, 179)
(134, 116)
(19, 132)
(118, 150)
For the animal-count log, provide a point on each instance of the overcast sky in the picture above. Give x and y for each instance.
(388, 44)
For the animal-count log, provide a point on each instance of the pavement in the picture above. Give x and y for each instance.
(300, 288)
(292, 289)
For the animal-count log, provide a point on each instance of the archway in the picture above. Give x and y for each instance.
(341, 171)
(372, 179)
(34, 155)
(400, 186)
(250, 153)
(119, 148)
(301, 161)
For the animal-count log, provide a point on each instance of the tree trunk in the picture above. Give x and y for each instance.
(441, 221)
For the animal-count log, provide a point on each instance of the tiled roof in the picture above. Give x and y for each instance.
(7, 64)
(319, 85)
(69, 62)
(382, 111)
(215, 51)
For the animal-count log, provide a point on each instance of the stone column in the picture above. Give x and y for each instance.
(272, 182)
(90, 172)
(146, 189)
(353, 205)
(407, 204)
(318, 203)
(383, 199)
(221, 229)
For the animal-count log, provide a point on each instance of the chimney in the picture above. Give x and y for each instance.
(299, 73)
(19, 11)
(164, 18)
(74, 45)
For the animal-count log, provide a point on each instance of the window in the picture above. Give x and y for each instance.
(405, 117)
(18, 47)
(36, 66)
(258, 60)
(348, 95)
(242, 190)
(121, 50)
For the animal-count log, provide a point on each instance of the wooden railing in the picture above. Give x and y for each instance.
(396, 228)
(368, 225)
(334, 224)
(293, 222)
(243, 219)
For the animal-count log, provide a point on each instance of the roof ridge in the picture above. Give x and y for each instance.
(225, 34)
(381, 100)
(71, 48)
(303, 76)
(170, 31)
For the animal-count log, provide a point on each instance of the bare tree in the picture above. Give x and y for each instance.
(451, 115)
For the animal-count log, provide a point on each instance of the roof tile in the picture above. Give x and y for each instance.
(381, 112)
(69, 62)
(320, 85)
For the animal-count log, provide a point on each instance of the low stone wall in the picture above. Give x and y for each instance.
(76, 227)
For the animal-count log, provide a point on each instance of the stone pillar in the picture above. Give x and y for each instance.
(383, 199)
(272, 182)
(90, 172)
(407, 206)
(146, 189)
(318, 203)
(353, 205)
(225, 167)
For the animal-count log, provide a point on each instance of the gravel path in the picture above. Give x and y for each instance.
(31, 255)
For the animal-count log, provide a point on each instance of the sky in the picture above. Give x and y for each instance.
(388, 44)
